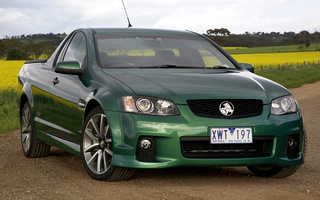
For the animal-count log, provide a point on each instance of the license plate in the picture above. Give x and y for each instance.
(230, 135)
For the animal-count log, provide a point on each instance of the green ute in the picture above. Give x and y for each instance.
(132, 98)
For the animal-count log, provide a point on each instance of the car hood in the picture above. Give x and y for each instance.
(180, 85)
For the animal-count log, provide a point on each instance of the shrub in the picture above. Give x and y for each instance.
(17, 54)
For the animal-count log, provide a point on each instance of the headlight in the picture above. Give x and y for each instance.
(283, 105)
(149, 105)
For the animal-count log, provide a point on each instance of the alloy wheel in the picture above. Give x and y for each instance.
(26, 128)
(97, 144)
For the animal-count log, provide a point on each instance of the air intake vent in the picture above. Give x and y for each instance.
(200, 147)
(210, 107)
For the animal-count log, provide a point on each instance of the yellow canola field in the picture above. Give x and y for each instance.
(9, 71)
(227, 48)
(275, 59)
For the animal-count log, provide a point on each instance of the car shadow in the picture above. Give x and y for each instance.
(70, 162)
(212, 172)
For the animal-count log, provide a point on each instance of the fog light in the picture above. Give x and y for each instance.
(146, 149)
(145, 144)
(293, 147)
(292, 143)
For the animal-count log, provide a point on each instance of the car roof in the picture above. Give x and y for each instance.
(140, 30)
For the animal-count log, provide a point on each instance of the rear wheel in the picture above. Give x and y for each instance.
(32, 147)
(97, 150)
(279, 171)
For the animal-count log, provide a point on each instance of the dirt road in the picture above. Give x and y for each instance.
(62, 176)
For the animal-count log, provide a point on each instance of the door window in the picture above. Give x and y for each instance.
(76, 50)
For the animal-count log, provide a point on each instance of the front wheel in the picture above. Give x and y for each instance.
(273, 171)
(97, 151)
(279, 171)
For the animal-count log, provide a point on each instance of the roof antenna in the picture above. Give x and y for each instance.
(129, 25)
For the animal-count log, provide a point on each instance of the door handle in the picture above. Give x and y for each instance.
(55, 81)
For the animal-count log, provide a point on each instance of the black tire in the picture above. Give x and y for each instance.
(304, 144)
(273, 171)
(32, 147)
(279, 171)
(96, 149)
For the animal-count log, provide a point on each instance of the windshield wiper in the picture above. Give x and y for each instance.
(171, 66)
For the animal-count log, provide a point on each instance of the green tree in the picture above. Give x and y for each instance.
(304, 39)
(47, 48)
(2, 49)
(220, 36)
(35, 49)
(9, 44)
(17, 54)
(316, 36)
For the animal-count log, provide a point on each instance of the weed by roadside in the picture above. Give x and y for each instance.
(9, 114)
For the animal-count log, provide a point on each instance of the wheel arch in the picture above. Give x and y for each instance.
(23, 100)
(26, 95)
(90, 106)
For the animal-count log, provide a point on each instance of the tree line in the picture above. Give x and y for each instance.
(48, 36)
(223, 37)
(25, 47)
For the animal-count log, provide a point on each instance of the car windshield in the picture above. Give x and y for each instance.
(158, 51)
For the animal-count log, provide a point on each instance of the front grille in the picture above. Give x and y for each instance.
(200, 147)
(210, 107)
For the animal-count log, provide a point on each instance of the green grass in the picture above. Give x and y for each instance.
(9, 114)
(271, 49)
(288, 77)
(292, 77)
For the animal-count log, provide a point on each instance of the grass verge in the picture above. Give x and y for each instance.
(9, 114)
(292, 77)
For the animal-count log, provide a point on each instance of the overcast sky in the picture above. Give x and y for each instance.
(19, 17)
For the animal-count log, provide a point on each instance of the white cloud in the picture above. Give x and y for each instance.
(38, 16)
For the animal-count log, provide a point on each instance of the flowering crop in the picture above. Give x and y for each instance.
(228, 48)
(9, 71)
(275, 59)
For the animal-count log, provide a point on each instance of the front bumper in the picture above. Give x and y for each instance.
(168, 132)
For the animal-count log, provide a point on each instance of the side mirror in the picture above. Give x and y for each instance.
(247, 66)
(69, 67)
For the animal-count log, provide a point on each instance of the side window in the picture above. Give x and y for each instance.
(76, 50)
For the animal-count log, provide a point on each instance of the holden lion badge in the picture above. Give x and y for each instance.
(226, 108)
